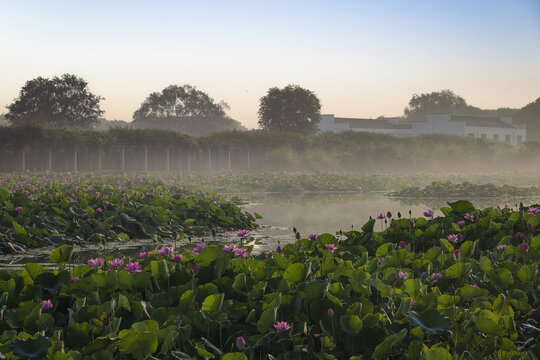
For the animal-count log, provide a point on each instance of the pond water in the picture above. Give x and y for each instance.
(308, 212)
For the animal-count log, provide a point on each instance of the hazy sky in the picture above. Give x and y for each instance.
(362, 58)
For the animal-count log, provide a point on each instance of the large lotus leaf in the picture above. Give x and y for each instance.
(501, 277)
(268, 317)
(526, 273)
(145, 325)
(384, 249)
(487, 322)
(209, 254)
(61, 254)
(234, 356)
(445, 244)
(384, 347)
(431, 321)
(351, 324)
(33, 348)
(412, 287)
(368, 226)
(98, 344)
(52, 282)
(34, 270)
(212, 303)
(79, 335)
(470, 292)
(159, 269)
(462, 207)
(457, 270)
(19, 229)
(138, 344)
(436, 353)
(294, 273)
(485, 264)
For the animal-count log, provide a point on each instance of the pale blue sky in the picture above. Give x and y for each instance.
(362, 58)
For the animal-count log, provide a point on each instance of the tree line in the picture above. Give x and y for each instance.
(66, 101)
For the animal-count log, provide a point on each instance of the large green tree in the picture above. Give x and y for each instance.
(186, 109)
(444, 101)
(530, 115)
(63, 101)
(292, 108)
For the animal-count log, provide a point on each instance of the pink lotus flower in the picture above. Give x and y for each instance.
(501, 247)
(401, 244)
(177, 258)
(195, 270)
(453, 238)
(279, 251)
(429, 213)
(281, 326)
(411, 224)
(469, 216)
(297, 235)
(412, 302)
(401, 276)
(330, 312)
(241, 253)
(73, 279)
(198, 248)
(436, 277)
(229, 248)
(264, 255)
(381, 216)
(331, 247)
(474, 286)
(166, 251)
(243, 233)
(143, 255)
(174, 234)
(133, 267)
(115, 264)
(198, 207)
(88, 220)
(461, 224)
(240, 343)
(313, 236)
(381, 260)
(19, 208)
(47, 305)
(519, 234)
(533, 211)
(99, 210)
(96, 263)
(524, 247)
(457, 254)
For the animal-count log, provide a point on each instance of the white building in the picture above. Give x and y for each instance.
(380, 126)
(499, 129)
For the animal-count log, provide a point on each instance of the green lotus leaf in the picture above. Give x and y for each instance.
(32, 348)
(295, 273)
(61, 254)
(436, 353)
(268, 317)
(98, 344)
(213, 303)
(487, 322)
(52, 282)
(79, 335)
(462, 207)
(430, 321)
(138, 344)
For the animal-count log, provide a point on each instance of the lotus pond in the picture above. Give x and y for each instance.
(458, 282)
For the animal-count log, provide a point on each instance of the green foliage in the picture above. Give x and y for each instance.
(292, 108)
(483, 303)
(57, 102)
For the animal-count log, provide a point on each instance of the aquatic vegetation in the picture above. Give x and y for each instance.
(368, 298)
(448, 189)
(54, 209)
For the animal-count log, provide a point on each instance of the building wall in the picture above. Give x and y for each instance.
(327, 123)
(499, 134)
(438, 124)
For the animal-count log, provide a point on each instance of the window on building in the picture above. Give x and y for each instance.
(507, 138)
(519, 139)
(483, 136)
(496, 137)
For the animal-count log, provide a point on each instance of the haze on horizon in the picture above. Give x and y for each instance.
(363, 59)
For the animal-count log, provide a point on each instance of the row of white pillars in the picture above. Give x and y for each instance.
(123, 160)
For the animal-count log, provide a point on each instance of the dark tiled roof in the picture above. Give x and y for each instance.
(370, 123)
(481, 121)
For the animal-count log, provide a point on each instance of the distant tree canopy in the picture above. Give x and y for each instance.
(63, 101)
(186, 109)
(530, 115)
(444, 101)
(292, 108)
